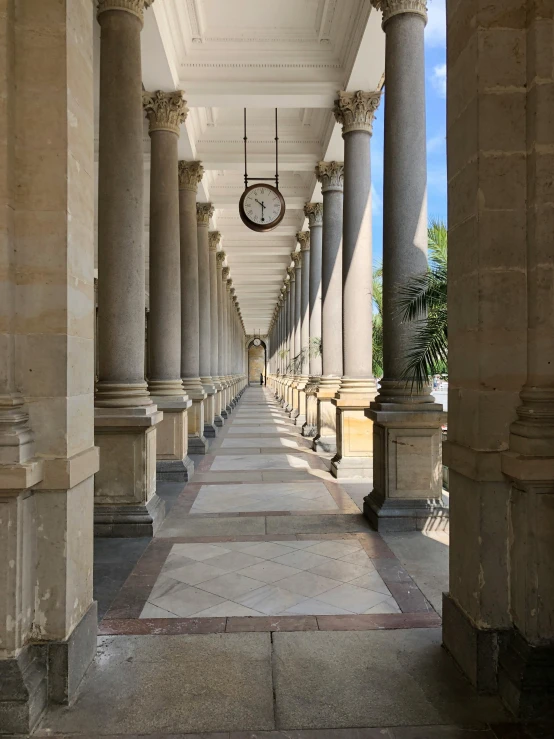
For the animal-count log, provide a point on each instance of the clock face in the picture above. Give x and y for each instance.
(262, 207)
(257, 342)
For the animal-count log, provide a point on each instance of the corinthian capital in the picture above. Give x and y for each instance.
(225, 273)
(331, 175)
(190, 174)
(295, 256)
(165, 110)
(355, 111)
(314, 213)
(204, 211)
(135, 7)
(220, 256)
(214, 237)
(391, 8)
(303, 238)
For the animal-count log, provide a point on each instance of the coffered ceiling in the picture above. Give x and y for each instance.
(292, 55)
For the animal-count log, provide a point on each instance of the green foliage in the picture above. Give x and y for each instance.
(377, 353)
(423, 301)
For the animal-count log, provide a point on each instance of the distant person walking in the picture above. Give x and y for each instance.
(261, 379)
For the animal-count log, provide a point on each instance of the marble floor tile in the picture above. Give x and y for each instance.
(233, 561)
(270, 599)
(265, 462)
(194, 574)
(308, 584)
(351, 597)
(152, 611)
(336, 549)
(371, 581)
(187, 601)
(232, 585)
(292, 496)
(314, 607)
(228, 608)
(342, 571)
(269, 571)
(197, 552)
(302, 560)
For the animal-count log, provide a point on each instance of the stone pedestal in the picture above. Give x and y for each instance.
(354, 456)
(300, 419)
(309, 429)
(126, 503)
(210, 427)
(326, 436)
(198, 443)
(172, 442)
(407, 467)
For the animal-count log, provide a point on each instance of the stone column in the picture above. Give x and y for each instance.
(314, 213)
(125, 416)
(500, 454)
(331, 176)
(291, 300)
(204, 212)
(222, 329)
(295, 400)
(354, 457)
(303, 238)
(228, 336)
(48, 619)
(190, 174)
(407, 422)
(166, 111)
(214, 237)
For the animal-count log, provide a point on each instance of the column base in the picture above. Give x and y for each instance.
(230, 407)
(309, 430)
(219, 421)
(300, 420)
(43, 673)
(198, 445)
(129, 520)
(294, 413)
(210, 431)
(325, 444)
(343, 468)
(224, 413)
(175, 470)
(397, 514)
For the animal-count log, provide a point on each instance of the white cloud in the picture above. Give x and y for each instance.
(439, 79)
(376, 201)
(435, 32)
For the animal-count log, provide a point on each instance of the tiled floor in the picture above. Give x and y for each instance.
(268, 579)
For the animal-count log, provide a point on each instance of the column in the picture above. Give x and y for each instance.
(125, 416)
(166, 111)
(314, 213)
(291, 299)
(407, 422)
(222, 328)
(204, 211)
(303, 238)
(47, 453)
(190, 175)
(297, 368)
(229, 308)
(331, 176)
(354, 457)
(500, 454)
(214, 237)
(227, 335)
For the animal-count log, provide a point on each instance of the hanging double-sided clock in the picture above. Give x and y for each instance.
(262, 207)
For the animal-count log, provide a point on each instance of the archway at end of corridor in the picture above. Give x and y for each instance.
(257, 362)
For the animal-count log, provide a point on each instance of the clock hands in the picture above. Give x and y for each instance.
(263, 208)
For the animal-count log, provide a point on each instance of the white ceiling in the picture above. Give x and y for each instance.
(293, 55)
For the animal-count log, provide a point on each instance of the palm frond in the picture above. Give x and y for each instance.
(429, 349)
(422, 294)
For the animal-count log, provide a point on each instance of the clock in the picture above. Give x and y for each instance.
(261, 207)
(257, 342)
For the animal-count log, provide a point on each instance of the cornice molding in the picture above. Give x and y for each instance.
(390, 8)
(204, 211)
(314, 214)
(214, 237)
(165, 110)
(134, 7)
(355, 111)
(303, 238)
(331, 175)
(190, 175)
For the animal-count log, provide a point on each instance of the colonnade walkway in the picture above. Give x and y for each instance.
(263, 603)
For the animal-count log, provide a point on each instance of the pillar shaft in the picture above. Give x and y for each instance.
(331, 175)
(354, 458)
(190, 174)
(125, 418)
(204, 212)
(314, 211)
(413, 494)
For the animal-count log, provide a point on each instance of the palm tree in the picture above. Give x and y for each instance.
(422, 300)
(377, 353)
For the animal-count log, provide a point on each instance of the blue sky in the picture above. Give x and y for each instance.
(435, 78)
